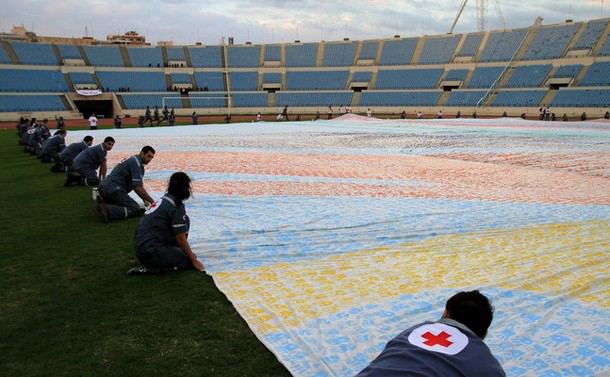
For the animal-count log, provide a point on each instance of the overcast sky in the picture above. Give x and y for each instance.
(279, 21)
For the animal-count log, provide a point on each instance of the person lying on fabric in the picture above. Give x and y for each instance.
(452, 346)
(161, 236)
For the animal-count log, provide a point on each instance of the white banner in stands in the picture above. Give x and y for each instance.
(89, 92)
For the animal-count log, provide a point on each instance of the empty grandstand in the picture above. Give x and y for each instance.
(565, 66)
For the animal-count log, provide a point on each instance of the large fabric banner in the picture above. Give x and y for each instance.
(331, 237)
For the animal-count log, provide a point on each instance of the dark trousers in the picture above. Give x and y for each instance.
(88, 177)
(120, 205)
(164, 257)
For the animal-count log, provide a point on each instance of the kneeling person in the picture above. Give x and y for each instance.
(452, 346)
(71, 151)
(88, 161)
(161, 236)
(126, 176)
(54, 146)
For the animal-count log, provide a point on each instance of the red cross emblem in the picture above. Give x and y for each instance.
(440, 339)
(154, 205)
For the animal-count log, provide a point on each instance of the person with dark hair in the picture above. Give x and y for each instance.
(403, 115)
(141, 121)
(70, 152)
(565, 117)
(607, 115)
(53, 147)
(285, 113)
(195, 118)
(147, 115)
(60, 123)
(93, 122)
(156, 115)
(451, 346)
(118, 123)
(114, 190)
(583, 116)
(88, 161)
(160, 240)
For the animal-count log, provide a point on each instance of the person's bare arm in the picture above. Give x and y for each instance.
(184, 245)
(103, 169)
(143, 194)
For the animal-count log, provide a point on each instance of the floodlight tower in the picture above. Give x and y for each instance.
(481, 10)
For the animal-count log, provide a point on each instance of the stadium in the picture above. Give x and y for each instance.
(324, 238)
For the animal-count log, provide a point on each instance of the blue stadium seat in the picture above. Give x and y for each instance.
(339, 54)
(369, 50)
(304, 55)
(273, 53)
(471, 45)
(35, 53)
(582, 98)
(140, 101)
(243, 80)
(362, 76)
(398, 52)
(135, 81)
(484, 77)
(605, 50)
(10, 103)
(590, 36)
(464, 97)
(4, 58)
(205, 57)
(213, 81)
(249, 99)
(568, 71)
(379, 98)
(529, 76)
(502, 45)
(176, 54)
(22, 80)
(519, 98)
(180, 78)
(438, 50)
(313, 98)
(456, 75)
(408, 78)
(145, 56)
(81, 78)
(550, 42)
(316, 80)
(244, 56)
(598, 74)
(272, 78)
(69, 52)
(209, 100)
(104, 56)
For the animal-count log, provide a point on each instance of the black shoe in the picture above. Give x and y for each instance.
(70, 179)
(102, 212)
(142, 270)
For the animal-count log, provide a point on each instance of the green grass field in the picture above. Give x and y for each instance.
(68, 309)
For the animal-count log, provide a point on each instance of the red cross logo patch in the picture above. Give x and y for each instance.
(438, 337)
(153, 207)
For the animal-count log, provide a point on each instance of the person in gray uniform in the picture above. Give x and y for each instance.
(114, 190)
(70, 152)
(88, 161)
(160, 240)
(54, 146)
(452, 346)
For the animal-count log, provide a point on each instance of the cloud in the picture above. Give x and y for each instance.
(266, 21)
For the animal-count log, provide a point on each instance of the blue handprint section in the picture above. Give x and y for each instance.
(566, 342)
